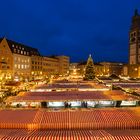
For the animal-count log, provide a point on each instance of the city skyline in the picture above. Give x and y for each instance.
(71, 28)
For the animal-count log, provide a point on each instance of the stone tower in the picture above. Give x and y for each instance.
(134, 39)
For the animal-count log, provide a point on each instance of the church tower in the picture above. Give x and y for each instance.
(134, 39)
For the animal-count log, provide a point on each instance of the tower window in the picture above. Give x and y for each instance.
(134, 33)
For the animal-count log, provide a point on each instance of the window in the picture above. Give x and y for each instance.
(21, 52)
(13, 45)
(3, 59)
(18, 66)
(22, 66)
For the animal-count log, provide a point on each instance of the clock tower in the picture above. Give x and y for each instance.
(134, 39)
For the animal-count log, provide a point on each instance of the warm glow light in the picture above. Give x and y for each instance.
(75, 103)
(128, 103)
(56, 104)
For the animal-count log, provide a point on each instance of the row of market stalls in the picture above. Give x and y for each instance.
(73, 99)
(74, 104)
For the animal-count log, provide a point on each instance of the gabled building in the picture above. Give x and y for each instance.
(21, 62)
(6, 60)
(16, 59)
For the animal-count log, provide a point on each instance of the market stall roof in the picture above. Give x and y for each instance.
(71, 86)
(112, 118)
(19, 134)
(73, 95)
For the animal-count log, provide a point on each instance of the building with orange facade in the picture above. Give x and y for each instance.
(20, 62)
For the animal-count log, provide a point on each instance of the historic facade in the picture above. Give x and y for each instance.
(134, 40)
(101, 69)
(133, 68)
(20, 62)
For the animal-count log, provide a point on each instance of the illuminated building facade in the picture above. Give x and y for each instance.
(6, 60)
(63, 64)
(36, 66)
(133, 68)
(56, 65)
(134, 40)
(21, 62)
(101, 69)
(50, 66)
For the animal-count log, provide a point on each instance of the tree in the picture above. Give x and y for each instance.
(89, 70)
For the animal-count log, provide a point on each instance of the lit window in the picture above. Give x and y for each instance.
(22, 66)
(13, 45)
(21, 52)
(18, 66)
